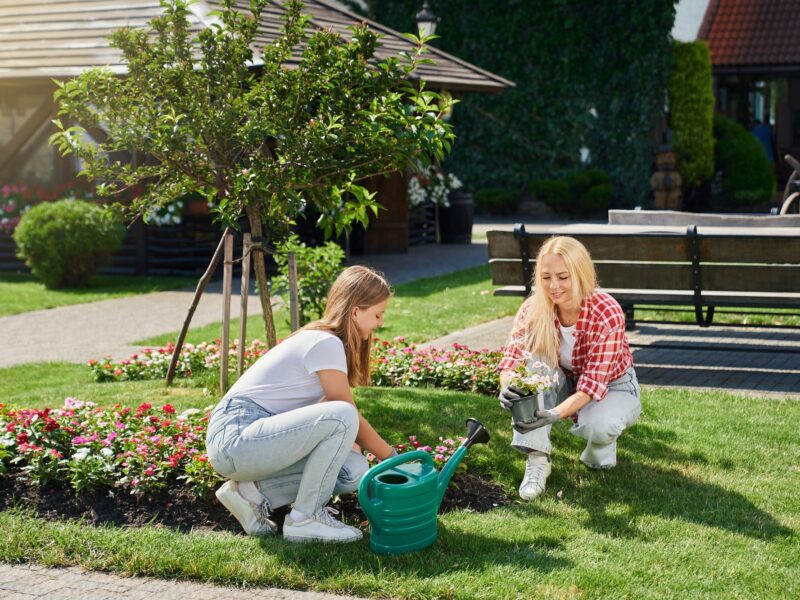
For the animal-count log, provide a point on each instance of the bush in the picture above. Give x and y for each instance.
(582, 194)
(66, 242)
(317, 269)
(691, 112)
(496, 201)
(747, 175)
(553, 192)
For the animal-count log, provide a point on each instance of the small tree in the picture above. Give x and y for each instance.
(264, 134)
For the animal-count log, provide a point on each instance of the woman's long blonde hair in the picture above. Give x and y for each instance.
(542, 334)
(356, 287)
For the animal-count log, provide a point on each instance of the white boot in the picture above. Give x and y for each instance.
(537, 470)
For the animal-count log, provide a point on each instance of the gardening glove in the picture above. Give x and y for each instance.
(543, 417)
(507, 394)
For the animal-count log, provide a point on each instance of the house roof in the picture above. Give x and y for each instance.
(753, 35)
(61, 38)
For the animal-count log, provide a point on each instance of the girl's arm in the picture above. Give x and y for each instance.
(573, 404)
(336, 387)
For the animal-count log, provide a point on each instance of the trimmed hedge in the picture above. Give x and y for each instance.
(747, 175)
(582, 194)
(691, 112)
(496, 201)
(66, 242)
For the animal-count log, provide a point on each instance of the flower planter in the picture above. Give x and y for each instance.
(455, 221)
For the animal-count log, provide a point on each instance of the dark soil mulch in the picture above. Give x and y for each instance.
(177, 506)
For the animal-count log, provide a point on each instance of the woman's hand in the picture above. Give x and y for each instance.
(543, 417)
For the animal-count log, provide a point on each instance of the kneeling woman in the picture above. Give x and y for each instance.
(288, 430)
(573, 327)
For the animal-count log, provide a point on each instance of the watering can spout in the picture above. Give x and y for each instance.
(476, 434)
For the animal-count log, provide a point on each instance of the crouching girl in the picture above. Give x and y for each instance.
(578, 331)
(288, 431)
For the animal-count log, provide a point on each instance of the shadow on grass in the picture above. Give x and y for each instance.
(615, 500)
(453, 551)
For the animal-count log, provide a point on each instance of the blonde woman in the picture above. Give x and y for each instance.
(288, 431)
(579, 331)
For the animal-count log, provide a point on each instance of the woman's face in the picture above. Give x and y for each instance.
(369, 319)
(556, 281)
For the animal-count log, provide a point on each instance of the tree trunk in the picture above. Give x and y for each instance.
(259, 268)
(201, 285)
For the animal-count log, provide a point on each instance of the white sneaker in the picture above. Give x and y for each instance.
(537, 470)
(322, 527)
(254, 518)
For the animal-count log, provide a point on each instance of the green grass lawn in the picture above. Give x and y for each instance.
(703, 503)
(420, 310)
(21, 292)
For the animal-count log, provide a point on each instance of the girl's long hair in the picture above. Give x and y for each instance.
(542, 334)
(359, 287)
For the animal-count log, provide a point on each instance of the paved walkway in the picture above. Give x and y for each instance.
(27, 582)
(110, 327)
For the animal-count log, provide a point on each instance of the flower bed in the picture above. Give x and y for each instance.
(133, 450)
(138, 451)
(400, 364)
(394, 364)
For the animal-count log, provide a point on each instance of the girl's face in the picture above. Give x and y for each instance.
(369, 319)
(556, 281)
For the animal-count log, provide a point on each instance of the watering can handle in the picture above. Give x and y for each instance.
(385, 465)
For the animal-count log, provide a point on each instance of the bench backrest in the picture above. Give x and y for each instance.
(664, 260)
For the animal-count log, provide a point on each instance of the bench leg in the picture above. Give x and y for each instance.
(704, 320)
(630, 321)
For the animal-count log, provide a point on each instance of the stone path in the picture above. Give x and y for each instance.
(110, 327)
(27, 582)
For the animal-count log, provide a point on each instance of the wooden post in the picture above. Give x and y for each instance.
(294, 307)
(243, 312)
(198, 292)
(227, 276)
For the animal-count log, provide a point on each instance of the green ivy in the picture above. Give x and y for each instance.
(566, 57)
(691, 108)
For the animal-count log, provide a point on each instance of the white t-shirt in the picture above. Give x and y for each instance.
(566, 347)
(285, 377)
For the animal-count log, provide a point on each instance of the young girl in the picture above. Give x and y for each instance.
(288, 430)
(572, 327)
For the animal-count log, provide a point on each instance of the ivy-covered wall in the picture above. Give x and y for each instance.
(588, 72)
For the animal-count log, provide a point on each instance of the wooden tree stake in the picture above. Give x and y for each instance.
(198, 292)
(227, 277)
(244, 293)
(294, 306)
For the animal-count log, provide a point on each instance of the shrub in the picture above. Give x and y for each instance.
(582, 194)
(553, 192)
(747, 175)
(691, 112)
(496, 201)
(317, 268)
(66, 242)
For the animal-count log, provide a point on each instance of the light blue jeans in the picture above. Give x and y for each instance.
(599, 423)
(302, 456)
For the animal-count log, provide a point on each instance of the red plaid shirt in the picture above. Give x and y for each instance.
(601, 352)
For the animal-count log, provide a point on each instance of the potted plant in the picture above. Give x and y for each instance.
(535, 380)
(432, 187)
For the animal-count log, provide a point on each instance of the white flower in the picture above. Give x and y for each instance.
(436, 188)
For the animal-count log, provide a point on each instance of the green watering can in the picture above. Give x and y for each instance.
(402, 494)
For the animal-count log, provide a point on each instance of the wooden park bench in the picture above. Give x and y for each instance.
(701, 267)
